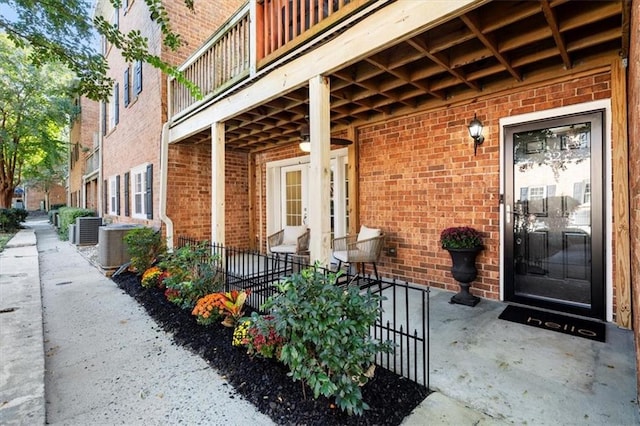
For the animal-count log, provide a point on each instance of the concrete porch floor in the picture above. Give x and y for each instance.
(485, 370)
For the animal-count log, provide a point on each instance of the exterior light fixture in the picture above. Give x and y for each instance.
(475, 131)
(305, 140)
(305, 145)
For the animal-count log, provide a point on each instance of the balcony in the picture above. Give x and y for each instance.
(243, 47)
(92, 163)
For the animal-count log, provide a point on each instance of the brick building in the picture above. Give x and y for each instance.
(131, 123)
(555, 85)
(84, 157)
(548, 83)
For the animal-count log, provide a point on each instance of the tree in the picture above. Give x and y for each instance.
(62, 31)
(35, 108)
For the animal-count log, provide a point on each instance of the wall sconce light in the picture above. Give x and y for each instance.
(475, 131)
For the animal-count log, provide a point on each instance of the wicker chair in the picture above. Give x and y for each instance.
(289, 241)
(362, 248)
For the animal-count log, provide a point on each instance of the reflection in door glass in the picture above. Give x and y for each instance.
(552, 213)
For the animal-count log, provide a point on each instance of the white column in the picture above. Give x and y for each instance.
(320, 170)
(217, 183)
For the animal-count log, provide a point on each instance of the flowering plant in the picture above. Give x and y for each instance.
(172, 295)
(259, 335)
(206, 309)
(152, 277)
(460, 237)
(229, 304)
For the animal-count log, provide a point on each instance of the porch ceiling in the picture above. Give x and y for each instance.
(500, 43)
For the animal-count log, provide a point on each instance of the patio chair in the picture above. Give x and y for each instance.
(362, 248)
(291, 240)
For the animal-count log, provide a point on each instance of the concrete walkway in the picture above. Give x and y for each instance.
(108, 363)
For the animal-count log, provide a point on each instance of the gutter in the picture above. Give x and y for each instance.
(164, 161)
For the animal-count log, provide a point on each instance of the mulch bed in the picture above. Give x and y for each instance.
(265, 383)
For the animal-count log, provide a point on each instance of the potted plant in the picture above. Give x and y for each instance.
(463, 244)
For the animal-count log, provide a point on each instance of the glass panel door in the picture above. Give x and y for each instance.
(294, 195)
(554, 224)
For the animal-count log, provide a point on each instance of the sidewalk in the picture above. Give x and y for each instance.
(106, 361)
(22, 399)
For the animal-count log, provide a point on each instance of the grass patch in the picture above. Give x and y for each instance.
(4, 239)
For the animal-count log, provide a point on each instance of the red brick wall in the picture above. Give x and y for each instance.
(136, 138)
(634, 171)
(189, 193)
(82, 131)
(33, 197)
(418, 175)
(237, 200)
(189, 190)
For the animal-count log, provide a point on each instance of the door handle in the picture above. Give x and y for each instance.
(508, 210)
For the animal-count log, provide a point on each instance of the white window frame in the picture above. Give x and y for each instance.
(113, 195)
(274, 190)
(138, 176)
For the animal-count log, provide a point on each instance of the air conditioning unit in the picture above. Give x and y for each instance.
(73, 234)
(112, 250)
(87, 230)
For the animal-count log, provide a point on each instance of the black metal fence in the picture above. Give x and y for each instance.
(404, 313)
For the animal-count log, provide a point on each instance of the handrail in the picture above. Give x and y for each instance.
(221, 61)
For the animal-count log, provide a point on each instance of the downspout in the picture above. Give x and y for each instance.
(164, 161)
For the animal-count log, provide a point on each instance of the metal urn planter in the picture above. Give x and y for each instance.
(463, 244)
(464, 271)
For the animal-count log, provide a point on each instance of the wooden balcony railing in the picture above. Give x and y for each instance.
(220, 62)
(238, 48)
(92, 162)
(288, 23)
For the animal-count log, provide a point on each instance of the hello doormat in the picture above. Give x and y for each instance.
(555, 322)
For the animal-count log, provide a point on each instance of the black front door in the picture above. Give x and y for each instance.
(554, 253)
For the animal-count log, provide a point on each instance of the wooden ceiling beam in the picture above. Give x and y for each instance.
(489, 43)
(593, 40)
(524, 38)
(550, 16)
(510, 15)
(597, 11)
(439, 59)
(405, 77)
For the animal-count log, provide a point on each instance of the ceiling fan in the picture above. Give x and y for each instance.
(305, 142)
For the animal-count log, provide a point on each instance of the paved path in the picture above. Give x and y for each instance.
(107, 362)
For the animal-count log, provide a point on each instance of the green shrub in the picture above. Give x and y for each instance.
(192, 273)
(10, 219)
(67, 216)
(326, 333)
(145, 246)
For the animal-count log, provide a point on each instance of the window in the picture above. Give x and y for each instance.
(125, 90)
(127, 186)
(104, 45)
(137, 77)
(536, 193)
(115, 107)
(586, 196)
(103, 107)
(114, 195)
(142, 191)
